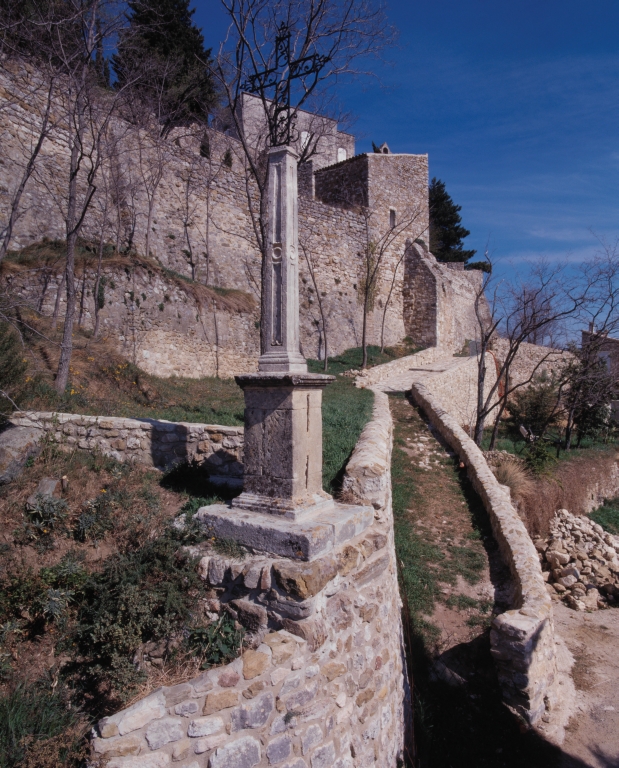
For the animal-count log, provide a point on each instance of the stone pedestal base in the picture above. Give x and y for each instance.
(313, 532)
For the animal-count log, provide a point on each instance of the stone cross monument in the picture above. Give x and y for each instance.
(283, 508)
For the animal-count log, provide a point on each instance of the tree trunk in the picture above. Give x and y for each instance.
(478, 435)
(495, 429)
(97, 284)
(81, 314)
(57, 302)
(364, 346)
(149, 224)
(66, 347)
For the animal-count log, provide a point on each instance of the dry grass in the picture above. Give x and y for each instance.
(49, 256)
(515, 477)
(575, 484)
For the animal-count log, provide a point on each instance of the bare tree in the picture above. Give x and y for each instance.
(377, 246)
(518, 311)
(37, 90)
(287, 54)
(310, 260)
(590, 379)
(69, 35)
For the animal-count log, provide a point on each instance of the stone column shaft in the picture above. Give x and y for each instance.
(280, 305)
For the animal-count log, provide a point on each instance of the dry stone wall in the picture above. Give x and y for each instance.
(159, 444)
(522, 639)
(321, 684)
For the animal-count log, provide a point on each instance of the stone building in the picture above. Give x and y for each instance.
(188, 198)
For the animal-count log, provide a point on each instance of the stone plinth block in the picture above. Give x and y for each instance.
(283, 443)
(302, 539)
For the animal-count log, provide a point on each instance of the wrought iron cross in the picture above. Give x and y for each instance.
(281, 121)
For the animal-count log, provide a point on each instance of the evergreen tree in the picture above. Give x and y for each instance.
(163, 52)
(446, 231)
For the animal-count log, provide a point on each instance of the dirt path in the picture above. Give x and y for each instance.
(592, 735)
(455, 581)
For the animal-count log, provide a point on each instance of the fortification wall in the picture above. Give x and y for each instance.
(439, 301)
(531, 360)
(196, 212)
(322, 683)
(165, 326)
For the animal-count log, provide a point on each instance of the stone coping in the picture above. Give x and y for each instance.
(284, 379)
(38, 419)
(522, 638)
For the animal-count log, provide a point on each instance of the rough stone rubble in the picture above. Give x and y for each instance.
(580, 563)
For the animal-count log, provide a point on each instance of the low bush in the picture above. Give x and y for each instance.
(515, 477)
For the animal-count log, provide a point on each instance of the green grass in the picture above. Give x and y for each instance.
(608, 516)
(34, 713)
(206, 401)
(345, 411)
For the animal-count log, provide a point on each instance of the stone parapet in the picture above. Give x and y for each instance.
(159, 444)
(522, 638)
(321, 682)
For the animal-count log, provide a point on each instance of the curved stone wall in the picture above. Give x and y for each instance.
(321, 684)
(522, 638)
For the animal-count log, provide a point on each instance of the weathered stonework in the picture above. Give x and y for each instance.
(159, 444)
(322, 684)
(439, 301)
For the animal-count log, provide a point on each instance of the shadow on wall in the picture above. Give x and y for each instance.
(217, 454)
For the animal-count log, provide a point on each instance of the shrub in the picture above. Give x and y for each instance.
(538, 457)
(149, 594)
(514, 476)
(218, 643)
(534, 407)
(46, 517)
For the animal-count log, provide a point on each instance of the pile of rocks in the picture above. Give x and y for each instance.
(580, 562)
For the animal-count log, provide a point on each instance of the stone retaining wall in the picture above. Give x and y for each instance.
(522, 638)
(322, 683)
(456, 388)
(159, 444)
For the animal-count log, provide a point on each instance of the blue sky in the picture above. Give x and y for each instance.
(517, 105)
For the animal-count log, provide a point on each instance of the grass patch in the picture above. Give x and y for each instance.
(608, 516)
(345, 411)
(39, 730)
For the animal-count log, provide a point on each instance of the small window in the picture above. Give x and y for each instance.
(341, 154)
(305, 138)
(392, 218)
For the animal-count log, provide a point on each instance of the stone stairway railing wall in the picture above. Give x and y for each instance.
(425, 357)
(323, 683)
(522, 639)
(154, 443)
